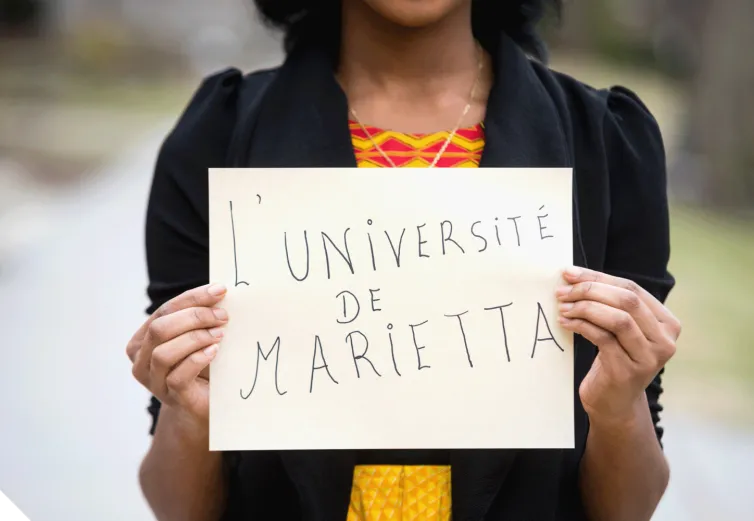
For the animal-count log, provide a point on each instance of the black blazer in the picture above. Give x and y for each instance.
(535, 118)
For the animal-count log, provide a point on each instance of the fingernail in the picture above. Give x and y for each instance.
(563, 320)
(220, 314)
(565, 307)
(211, 351)
(573, 271)
(216, 290)
(217, 332)
(563, 291)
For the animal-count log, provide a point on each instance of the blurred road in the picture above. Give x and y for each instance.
(74, 425)
(73, 422)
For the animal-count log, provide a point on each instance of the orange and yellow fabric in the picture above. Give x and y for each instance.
(400, 493)
(395, 492)
(417, 150)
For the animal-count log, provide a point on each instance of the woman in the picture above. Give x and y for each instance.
(467, 76)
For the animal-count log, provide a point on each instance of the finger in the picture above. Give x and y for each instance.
(616, 321)
(203, 296)
(574, 275)
(167, 356)
(615, 297)
(165, 328)
(186, 372)
(603, 339)
(133, 348)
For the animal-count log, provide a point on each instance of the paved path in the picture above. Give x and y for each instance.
(712, 472)
(74, 426)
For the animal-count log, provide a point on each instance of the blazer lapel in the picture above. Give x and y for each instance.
(323, 480)
(522, 129)
(522, 125)
(303, 120)
(303, 123)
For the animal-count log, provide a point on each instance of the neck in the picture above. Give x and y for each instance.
(388, 56)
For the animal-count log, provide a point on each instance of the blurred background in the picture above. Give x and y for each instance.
(88, 88)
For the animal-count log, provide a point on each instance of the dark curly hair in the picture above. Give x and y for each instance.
(319, 20)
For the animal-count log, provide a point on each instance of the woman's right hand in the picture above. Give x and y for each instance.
(172, 350)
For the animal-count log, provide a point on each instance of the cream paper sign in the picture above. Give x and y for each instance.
(391, 309)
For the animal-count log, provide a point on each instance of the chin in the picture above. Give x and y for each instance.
(415, 13)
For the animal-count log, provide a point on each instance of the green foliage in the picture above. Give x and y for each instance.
(98, 46)
(712, 257)
(106, 49)
(593, 26)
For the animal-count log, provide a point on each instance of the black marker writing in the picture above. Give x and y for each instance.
(397, 254)
(345, 256)
(515, 225)
(449, 238)
(463, 335)
(318, 347)
(371, 247)
(235, 254)
(374, 300)
(343, 295)
(288, 257)
(416, 345)
(260, 353)
(542, 228)
(392, 348)
(353, 251)
(541, 313)
(363, 355)
(479, 236)
(419, 232)
(502, 320)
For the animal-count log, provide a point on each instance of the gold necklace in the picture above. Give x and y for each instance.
(452, 134)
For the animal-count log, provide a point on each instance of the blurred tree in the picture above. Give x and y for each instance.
(617, 29)
(577, 30)
(20, 16)
(676, 37)
(718, 164)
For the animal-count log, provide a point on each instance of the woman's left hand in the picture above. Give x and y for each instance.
(636, 336)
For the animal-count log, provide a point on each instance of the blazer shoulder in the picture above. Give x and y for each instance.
(611, 122)
(201, 136)
(603, 110)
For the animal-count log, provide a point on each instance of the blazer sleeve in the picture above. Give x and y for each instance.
(638, 245)
(177, 231)
(177, 244)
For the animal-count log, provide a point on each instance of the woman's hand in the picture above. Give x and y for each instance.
(172, 350)
(636, 336)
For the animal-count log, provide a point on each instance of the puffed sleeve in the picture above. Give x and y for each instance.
(177, 231)
(177, 242)
(638, 246)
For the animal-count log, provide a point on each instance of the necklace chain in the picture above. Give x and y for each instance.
(449, 140)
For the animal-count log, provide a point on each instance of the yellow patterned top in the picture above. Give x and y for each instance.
(400, 493)
(408, 493)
